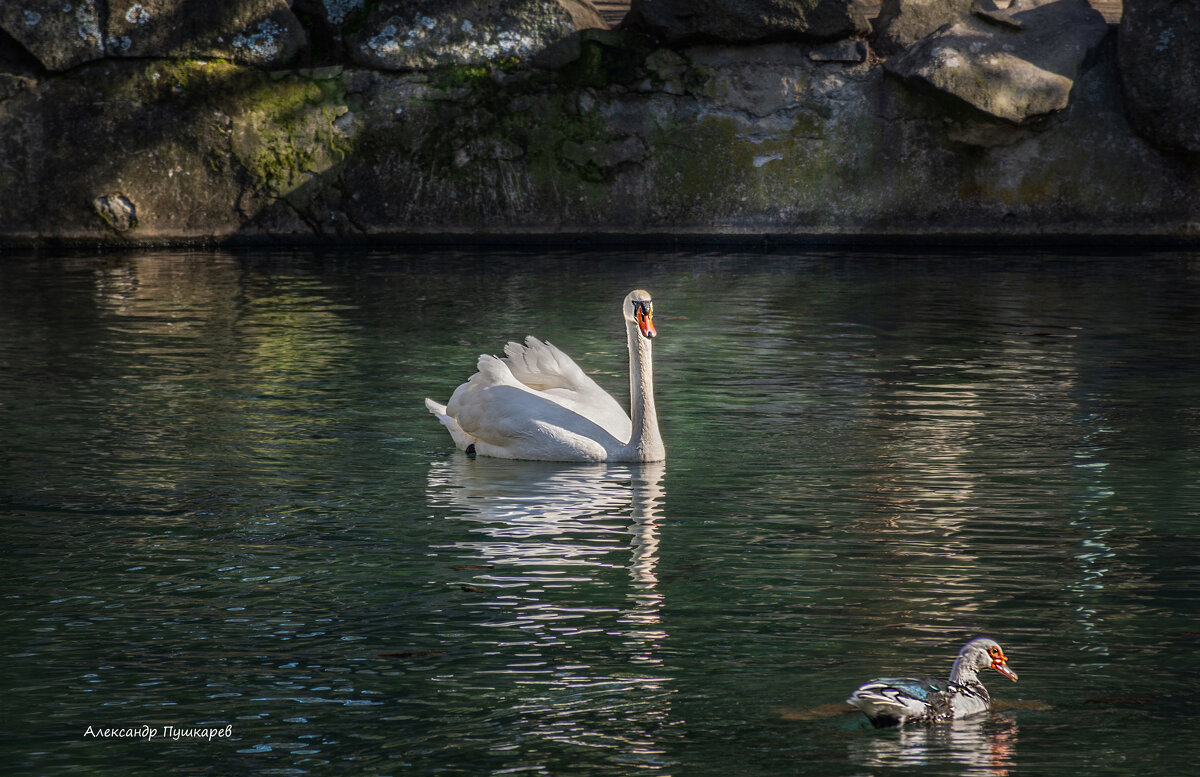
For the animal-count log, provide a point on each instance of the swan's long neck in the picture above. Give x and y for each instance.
(645, 444)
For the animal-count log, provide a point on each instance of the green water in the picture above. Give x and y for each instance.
(225, 507)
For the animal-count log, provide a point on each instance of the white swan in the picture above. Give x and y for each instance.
(537, 404)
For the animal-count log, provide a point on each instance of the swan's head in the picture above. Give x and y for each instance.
(639, 309)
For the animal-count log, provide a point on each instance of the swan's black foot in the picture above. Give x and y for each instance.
(470, 450)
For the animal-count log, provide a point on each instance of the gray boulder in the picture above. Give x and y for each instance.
(756, 81)
(746, 21)
(1159, 54)
(256, 32)
(1014, 64)
(422, 34)
(117, 211)
(60, 34)
(902, 23)
(845, 51)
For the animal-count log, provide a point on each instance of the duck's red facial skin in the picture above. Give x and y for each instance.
(1000, 663)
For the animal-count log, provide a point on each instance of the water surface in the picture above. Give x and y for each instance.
(224, 505)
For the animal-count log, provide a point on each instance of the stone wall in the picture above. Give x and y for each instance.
(589, 131)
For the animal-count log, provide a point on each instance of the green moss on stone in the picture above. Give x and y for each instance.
(285, 133)
(696, 160)
(460, 76)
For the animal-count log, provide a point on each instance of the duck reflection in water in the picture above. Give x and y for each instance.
(985, 745)
(561, 561)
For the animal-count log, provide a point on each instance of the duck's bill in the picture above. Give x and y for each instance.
(1004, 670)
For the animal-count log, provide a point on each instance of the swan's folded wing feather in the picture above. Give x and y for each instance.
(494, 406)
(510, 420)
(543, 367)
(470, 404)
(461, 438)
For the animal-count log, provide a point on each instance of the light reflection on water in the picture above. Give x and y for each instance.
(538, 536)
(979, 747)
(225, 504)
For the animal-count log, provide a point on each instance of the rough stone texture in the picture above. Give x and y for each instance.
(117, 211)
(1016, 64)
(64, 34)
(162, 136)
(742, 21)
(257, 32)
(709, 140)
(902, 23)
(840, 51)
(1159, 45)
(422, 34)
(60, 34)
(759, 81)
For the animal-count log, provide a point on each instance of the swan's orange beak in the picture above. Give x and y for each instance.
(645, 321)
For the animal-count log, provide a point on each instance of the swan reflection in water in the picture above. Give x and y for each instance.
(985, 745)
(561, 560)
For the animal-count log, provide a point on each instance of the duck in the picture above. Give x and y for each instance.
(894, 701)
(536, 403)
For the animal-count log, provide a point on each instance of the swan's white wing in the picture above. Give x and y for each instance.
(544, 368)
(507, 419)
(461, 438)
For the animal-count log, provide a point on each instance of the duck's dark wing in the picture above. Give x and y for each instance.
(890, 701)
(920, 689)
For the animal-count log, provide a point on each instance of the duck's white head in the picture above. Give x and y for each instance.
(639, 309)
(983, 653)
